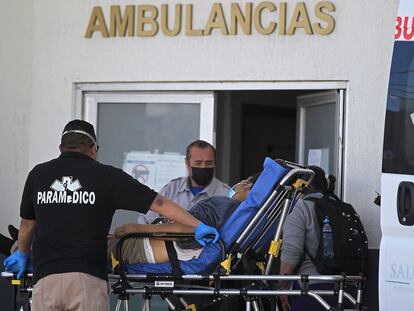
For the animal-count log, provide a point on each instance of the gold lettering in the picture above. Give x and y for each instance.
(189, 31)
(142, 20)
(300, 19)
(237, 17)
(97, 23)
(282, 18)
(122, 24)
(328, 19)
(150, 20)
(216, 20)
(258, 18)
(177, 20)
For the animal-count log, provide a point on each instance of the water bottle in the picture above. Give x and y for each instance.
(327, 239)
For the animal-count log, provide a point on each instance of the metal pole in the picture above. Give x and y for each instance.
(276, 304)
(255, 305)
(257, 217)
(320, 300)
(170, 304)
(278, 233)
(359, 304)
(350, 298)
(147, 306)
(118, 305)
(254, 277)
(340, 306)
(248, 304)
(121, 303)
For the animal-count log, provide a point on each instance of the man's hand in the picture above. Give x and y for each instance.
(126, 229)
(16, 263)
(201, 234)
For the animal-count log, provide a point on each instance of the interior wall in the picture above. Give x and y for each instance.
(268, 131)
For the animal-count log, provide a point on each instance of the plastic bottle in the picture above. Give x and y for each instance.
(327, 239)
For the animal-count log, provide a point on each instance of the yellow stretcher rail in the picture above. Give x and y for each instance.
(114, 262)
(300, 183)
(274, 248)
(226, 264)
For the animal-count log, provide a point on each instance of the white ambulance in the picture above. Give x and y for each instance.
(396, 266)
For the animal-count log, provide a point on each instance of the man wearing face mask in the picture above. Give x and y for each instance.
(200, 184)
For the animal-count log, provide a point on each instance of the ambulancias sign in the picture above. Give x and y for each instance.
(265, 18)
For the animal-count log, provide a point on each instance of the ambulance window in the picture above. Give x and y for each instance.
(398, 152)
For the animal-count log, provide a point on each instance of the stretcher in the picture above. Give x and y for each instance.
(226, 269)
(241, 264)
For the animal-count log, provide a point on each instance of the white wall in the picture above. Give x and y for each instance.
(358, 51)
(15, 97)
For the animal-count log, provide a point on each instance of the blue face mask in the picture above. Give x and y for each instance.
(231, 193)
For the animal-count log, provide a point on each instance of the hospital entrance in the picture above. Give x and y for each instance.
(146, 133)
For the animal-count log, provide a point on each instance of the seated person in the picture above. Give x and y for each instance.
(213, 212)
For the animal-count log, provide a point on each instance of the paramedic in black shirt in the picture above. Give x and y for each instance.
(66, 209)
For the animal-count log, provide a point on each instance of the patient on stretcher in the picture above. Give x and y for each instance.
(213, 212)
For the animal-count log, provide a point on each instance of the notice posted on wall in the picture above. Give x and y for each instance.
(319, 157)
(154, 169)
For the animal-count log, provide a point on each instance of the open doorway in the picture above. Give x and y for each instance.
(295, 125)
(267, 131)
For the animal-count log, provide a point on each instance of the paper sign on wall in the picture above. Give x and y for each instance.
(153, 169)
(319, 157)
(315, 157)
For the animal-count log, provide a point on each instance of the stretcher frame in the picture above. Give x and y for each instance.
(277, 206)
(164, 285)
(282, 198)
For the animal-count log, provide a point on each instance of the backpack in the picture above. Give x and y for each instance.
(350, 240)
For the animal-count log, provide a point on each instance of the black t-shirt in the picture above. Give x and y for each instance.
(73, 198)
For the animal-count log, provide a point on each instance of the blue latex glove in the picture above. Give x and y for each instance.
(201, 234)
(16, 263)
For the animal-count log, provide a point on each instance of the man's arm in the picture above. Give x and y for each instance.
(292, 248)
(17, 261)
(179, 215)
(173, 212)
(26, 233)
(285, 269)
(163, 228)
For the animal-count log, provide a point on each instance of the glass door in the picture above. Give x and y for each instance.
(146, 134)
(319, 133)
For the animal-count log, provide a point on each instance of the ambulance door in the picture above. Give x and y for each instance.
(396, 266)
